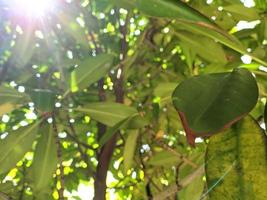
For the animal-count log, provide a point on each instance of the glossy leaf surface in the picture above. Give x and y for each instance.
(172, 9)
(209, 103)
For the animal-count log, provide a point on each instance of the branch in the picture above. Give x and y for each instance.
(183, 183)
(107, 150)
(59, 156)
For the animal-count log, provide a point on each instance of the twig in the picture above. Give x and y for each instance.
(183, 183)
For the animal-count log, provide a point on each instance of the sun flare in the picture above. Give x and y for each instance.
(34, 8)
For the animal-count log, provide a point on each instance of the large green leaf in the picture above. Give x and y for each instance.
(45, 159)
(209, 103)
(236, 163)
(10, 99)
(172, 9)
(129, 149)
(89, 71)
(108, 113)
(15, 145)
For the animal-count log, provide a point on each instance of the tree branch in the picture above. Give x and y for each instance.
(59, 156)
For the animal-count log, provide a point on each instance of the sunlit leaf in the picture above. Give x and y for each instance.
(15, 145)
(236, 162)
(203, 46)
(129, 149)
(89, 71)
(164, 158)
(108, 113)
(10, 99)
(45, 159)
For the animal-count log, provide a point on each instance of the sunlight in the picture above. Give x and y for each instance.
(34, 8)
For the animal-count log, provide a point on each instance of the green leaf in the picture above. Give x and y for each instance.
(172, 9)
(45, 159)
(164, 91)
(209, 103)
(10, 99)
(236, 163)
(218, 35)
(89, 71)
(203, 46)
(111, 131)
(240, 12)
(15, 145)
(44, 100)
(164, 158)
(108, 113)
(194, 190)
(129, 150)
(136, 122)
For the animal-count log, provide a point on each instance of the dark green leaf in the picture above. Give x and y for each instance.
(44, 100)
(236, 163)
(211, 102)
(172, 9)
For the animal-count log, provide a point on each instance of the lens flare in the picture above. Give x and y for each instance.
(34, 8)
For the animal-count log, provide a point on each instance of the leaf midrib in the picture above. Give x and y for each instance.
(45, 158)
(101, 112)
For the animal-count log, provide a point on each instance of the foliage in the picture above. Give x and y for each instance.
(90, 92)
